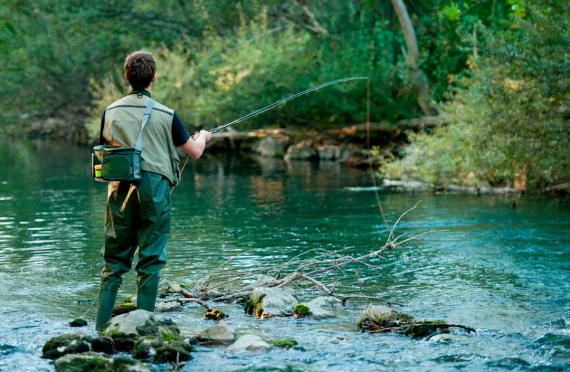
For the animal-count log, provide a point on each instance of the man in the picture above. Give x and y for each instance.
(138, 214)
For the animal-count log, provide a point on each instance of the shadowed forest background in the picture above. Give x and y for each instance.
(496, 73)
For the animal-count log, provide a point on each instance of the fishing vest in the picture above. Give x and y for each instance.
(122, 125)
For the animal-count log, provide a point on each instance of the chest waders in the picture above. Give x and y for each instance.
(137, 216)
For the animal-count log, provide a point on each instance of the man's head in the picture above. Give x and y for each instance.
(140, 68)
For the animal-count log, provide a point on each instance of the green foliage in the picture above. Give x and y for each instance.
(301, 311)
(510, 119)
(285, 343)
(219, 60)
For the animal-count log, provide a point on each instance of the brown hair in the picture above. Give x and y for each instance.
(139, 69)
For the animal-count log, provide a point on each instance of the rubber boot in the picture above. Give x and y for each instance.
(147, 291)
(105, 306)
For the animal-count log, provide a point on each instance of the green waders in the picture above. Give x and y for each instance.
(135, 217)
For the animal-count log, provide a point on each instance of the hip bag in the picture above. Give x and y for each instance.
(110, 163)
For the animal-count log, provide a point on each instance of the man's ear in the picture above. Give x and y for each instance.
(154, 78)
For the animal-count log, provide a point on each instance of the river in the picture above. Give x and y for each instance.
(503, 266)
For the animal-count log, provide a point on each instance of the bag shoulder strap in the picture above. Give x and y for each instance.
(146, 116)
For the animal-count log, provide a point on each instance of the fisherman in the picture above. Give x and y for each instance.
(138, 213)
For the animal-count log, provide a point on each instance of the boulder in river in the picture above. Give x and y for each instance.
(271, 147)
(127, 328)
(73, 343)
(250, 343)
(78, 323)
(301, 151)
(268, 302)
(93, 362)
(168, 306)
(159, 350)
(124, 307)
(322, 306)
(382, 319)
(219, 334)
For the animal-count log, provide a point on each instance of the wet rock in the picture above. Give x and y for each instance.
(160, 351)
(442, 338)
(321, 307)
(382, 319)
(249, 343)
(330, 152)
(169, 306)
(124, 307)
(173, 352)
(271, 147)
(301, 151)
(219, 334)
(214, 314)
(68, 343)
(260, 281)
(285, 343)
(127, 328)
(93, 362)
(166, 287)
(301, 311)
(102, 344)
(78, 323)
(267, 302)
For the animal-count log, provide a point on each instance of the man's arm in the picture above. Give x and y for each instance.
(195, 148)
(181, 137)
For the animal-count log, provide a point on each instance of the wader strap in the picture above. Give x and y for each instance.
(146, 116)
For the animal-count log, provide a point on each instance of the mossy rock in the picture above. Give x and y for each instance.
(173, 352)
(69, 343)
(285, 343)
(78, 323)
(214, 314)
(301, 311)
(124, 307)
(88, 362)
(254, 305)
(145, 347)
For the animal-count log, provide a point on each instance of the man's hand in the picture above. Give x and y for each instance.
(206, 134)
(196, 145)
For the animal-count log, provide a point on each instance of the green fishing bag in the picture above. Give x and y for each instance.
(110, 163)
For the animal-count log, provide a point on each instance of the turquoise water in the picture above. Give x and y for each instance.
(501, 269)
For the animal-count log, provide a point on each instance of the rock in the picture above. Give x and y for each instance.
(321, 307)
(214, 314)
(127, 328)
(124, 307)
(83, 362)
(260, 281)
(163, 307)
(160, 351)
(267, 302)
(173, 352)
(219, 334)
(102, 344)
(285, 343)
(93, 362)
(78, 323)
(73, 343)
(301, 151)
(301, 311)
(68, 343)
(271, 147)
(441, 338)
(382, 319)
(165, 288)
(249, 343)
(330, 152)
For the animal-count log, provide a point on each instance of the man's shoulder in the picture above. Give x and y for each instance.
(132, 101)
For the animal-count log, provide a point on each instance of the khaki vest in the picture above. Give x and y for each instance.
(122, 125)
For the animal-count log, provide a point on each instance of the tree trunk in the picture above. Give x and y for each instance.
(415, 74)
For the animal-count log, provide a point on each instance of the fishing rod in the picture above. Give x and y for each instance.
(285, 100)
(272, 106)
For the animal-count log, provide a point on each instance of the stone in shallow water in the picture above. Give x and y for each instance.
(78, 323)
(163, 307)
(127, 328)
(93, 362)
(219, 334)
(321, 307)
(160, 351)
(266, 302)
(249, 343)
(68, 343)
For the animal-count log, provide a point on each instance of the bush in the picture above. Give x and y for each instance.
(510, 118)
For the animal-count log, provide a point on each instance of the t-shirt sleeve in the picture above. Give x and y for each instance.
(179, 133)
